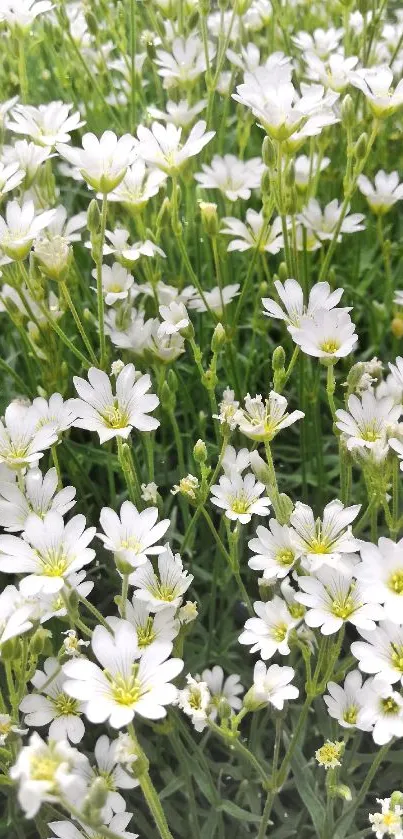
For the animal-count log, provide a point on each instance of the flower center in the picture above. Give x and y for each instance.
(285, 556)
(280, 632)
(330, 346)
(146, 634)
(370, 433)
(390, 706)
(65, 705)
(343, 607)
(43, 767)
(115, 288)
(240, 504)
(115, 416)
(350, 715)
(395, 582)
(195, 699)
(54, 563)
(131, 544)
(397, 656)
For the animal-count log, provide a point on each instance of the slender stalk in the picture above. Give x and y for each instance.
(78, 323)
(22, 67)
(149, 791)
(132, 65)
(100, 293)
(345, 820)
(56, 464)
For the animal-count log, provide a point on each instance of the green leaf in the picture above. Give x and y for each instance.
(238, 813)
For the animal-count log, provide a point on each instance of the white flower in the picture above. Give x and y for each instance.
(284, 114)
(216, 299)
(129, 254)
(240, 497)
(116, 282)
(235, 460)
(254, 233)
(263, 420)
(382, 651)
(223, 691)
(384, 710)
(138, 186)
(323, 223)
(179, 113)
(389, 821)
(333, 72)
(234, 177)
(112, 773)
(194, 700)
(174, 318)
(40, 495)
(47, 124)
(368, 420)
(49, 552)
(322, 42)
(380, 574)
(72, 643)
(28, 157)
(269, 632)
(10, 176)
(271, 686)
(132, 536)
(229, 410)
(22, 13)
(50, 704)
(117, 824)
(186, 61)
(20, 441)
(329, 335)
(116, 415)
(149, 492)
(375, 83)
(152, 630)
(308, 167)
(161, 145)
(16, 614)
(5, 107)
(165, 345)
(7, 728)
(54, 413)
(333, 599)
(20, 228)
(102, 163)
(124, 686)
(292, 298)
(167, 588)
(46, 771)
(327, 540)
(276, 550)
(386, 192)
(346, 704)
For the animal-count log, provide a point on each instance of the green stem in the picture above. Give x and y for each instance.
(132, 65)
(22, 67)
(129, 472)
(345, 820)
(150, 793)
(100, 293)
(78, 323)
(56, 463)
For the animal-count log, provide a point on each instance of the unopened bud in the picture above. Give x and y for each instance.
(268, 152)
(38, 641)
(360, 148)
(282, 272)
(97, 794)
(265, 184)
(397, 326)
(278, 359)
(289, 178)
(209, 217)
(93, 217)
(347, 110)
(200, 452)
(218, 338)
(167, 397)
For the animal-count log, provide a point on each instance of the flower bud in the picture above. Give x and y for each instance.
(360, 148)
(268, 153)
(200, 452)
(93, 217)
(289, 178)
(9, 649)
(397, 326)
(54, 257)
(167, 397)
(260, 468)
(347, 110)
(265, 184)
(97, 794)
(209, 217)
(282, 272)
(278, 359)
(172, 380)
(218, 338)
(38, 641)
